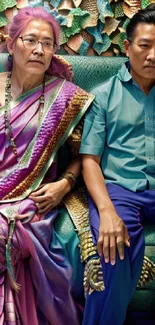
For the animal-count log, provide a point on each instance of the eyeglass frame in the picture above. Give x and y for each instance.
(37, 42)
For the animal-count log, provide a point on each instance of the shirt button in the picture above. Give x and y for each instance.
(149, 158)
(148, 119)
(149, 139)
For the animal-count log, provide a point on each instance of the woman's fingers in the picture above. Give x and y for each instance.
(21, 216)
(41, 190)
(46, 209)
(38, 199)
(43, 204)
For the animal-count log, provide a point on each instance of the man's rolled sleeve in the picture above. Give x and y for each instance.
(93, 138)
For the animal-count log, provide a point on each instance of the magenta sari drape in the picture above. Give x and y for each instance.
(45, 276)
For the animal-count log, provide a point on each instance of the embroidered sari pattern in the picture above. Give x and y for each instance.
(56, 125)
(36, 258)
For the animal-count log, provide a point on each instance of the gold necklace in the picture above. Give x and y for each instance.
(7, 113)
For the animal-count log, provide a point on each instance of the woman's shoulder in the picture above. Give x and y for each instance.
(52, 78)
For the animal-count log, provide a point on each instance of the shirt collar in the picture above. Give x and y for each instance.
(124, 74)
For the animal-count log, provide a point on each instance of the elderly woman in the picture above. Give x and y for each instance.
(39, 110)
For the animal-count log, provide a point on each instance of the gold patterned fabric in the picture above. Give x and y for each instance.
(147, 274)
(77, 133)
(74, 107)
(77, 206)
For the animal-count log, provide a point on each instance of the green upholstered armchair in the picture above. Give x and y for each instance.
(88, 73)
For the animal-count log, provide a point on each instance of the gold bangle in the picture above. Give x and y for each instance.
(69, 176)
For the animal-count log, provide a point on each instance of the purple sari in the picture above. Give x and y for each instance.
(44, 275)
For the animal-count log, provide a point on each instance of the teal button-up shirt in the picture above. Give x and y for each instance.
(120, 128)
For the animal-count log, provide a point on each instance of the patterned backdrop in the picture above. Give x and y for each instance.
(88, 27)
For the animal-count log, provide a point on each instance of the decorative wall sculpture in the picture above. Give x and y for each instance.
(88, 27)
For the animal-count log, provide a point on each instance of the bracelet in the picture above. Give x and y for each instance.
(69, 176)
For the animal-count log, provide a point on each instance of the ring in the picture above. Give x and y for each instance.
(120, 246)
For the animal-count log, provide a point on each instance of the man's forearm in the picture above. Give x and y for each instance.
(95, 183)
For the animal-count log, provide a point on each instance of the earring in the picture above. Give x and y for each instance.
(10, 57)
(10, 62)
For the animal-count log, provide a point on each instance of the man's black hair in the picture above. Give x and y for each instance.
(146, 16)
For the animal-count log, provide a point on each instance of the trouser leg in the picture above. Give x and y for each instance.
(109, 306)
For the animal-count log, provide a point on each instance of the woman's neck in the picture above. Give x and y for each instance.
(21, 83)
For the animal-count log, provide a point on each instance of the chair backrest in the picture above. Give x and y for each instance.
(89, 71)
(3, 60)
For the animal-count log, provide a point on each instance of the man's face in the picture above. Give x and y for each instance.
(141, 51)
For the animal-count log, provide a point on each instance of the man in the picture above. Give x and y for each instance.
(119, 170)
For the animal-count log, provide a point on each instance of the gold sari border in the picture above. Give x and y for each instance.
(77, 205)
(147, 273)
(73, 113)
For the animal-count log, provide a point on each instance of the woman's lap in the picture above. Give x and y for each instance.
(48, 267)
(68, 238)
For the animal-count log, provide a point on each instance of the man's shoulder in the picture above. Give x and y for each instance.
(106, 86)
(110, 84)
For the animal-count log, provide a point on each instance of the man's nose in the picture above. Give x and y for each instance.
(151, 54)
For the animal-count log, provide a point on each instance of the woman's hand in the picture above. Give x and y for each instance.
(113, 235)
(50, 195)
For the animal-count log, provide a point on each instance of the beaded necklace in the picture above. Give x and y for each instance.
(7, 113)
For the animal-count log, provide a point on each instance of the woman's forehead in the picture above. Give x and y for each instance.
(37, 26)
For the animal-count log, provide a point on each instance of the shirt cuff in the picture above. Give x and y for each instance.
(90, 151)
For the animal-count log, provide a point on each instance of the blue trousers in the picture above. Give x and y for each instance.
(109, 307)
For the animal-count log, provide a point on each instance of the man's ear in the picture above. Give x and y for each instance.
(126, 47)
(9, 45)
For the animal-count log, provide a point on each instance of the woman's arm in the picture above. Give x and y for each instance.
(50, 195)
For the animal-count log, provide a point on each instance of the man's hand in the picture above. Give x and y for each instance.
(50, 195)
(113, 235)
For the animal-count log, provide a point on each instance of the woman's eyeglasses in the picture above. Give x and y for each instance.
(31, 44)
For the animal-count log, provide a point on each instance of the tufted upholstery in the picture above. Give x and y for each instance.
(91, 71)
(88, 73)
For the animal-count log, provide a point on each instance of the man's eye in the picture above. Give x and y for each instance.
(144, 46)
